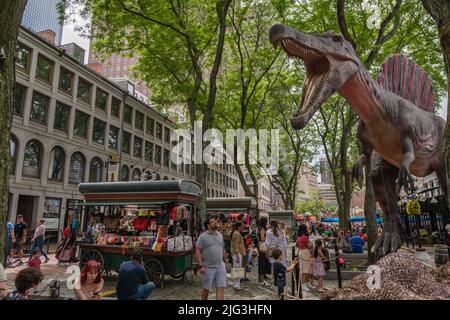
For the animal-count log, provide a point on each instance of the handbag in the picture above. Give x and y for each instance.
(237, 273)
(262, 247)
(179, 243)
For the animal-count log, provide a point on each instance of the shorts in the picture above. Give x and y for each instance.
(216, 277)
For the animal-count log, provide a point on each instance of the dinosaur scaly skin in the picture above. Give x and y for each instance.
(399, 138)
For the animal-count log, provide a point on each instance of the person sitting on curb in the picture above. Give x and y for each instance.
(90, 284)
(133, 283)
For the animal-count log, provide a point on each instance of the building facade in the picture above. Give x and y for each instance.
(40, 15)
(68, 122)
(306, 183)
(325, 172)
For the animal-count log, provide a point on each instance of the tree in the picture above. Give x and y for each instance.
(180, 47)
(439, 10)
(10, 18)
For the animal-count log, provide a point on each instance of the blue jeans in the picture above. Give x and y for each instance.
(144, 291)
(38, 243)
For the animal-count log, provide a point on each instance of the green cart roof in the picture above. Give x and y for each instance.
(230, 203)
(160, 186)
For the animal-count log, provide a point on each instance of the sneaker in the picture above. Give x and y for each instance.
(245, 280)
(46, 260)
(310, 286)
(306, 289)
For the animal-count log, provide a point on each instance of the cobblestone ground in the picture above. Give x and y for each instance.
(173, 289)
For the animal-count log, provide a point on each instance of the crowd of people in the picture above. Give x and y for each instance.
(223, 246)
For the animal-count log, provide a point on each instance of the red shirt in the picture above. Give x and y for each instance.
(303, 242)
(35, 263)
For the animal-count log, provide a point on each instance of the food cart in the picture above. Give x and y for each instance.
(157, 217)
(230, 209)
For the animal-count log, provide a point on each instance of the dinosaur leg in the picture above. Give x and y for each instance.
(383, 176)
(405, 178)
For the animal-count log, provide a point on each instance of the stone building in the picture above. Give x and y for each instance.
(69, 122)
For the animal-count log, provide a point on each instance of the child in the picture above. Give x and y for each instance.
(279, 271)
(317, 266)
(35, 261)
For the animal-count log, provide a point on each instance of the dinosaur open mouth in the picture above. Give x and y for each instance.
(317, 71)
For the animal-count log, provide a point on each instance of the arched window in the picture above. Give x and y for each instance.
(12, 154)
(77, 168)
(124, 173)
(56, 164)
(248, 178)
(165, 178)
(96, 170)
(136, 176)
(32, 159)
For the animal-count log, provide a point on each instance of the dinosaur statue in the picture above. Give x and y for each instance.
(398, 131)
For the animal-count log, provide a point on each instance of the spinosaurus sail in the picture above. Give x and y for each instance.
(398, 131)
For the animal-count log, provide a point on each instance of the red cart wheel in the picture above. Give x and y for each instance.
(155, 271)
(92, 254)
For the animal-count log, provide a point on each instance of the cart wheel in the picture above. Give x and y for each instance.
(178, 276)
(155, 271)
(92, 255)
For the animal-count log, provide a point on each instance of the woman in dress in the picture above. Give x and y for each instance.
(317, 266)
(264, 267)
(276, 239)
(90, 284)
(304, 246)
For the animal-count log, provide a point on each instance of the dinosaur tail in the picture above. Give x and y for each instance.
(403, 77)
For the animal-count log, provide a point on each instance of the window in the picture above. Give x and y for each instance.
(159, 130)
(136, 176)
(65, 80)
(62, 114)
(39, 108)
(24, 53)
(100, 99)
(126, 142)
(77, 167)
(148, 151)
(166, 160)
(172, 163)
(158, 152)
(98, 133)
(84, 91)
(32, 159)
(115, 107)
(19, 99)
(166, 135)
(12, 154)
(124, 173)
(113, 137)
(56, 164)
(139, 120)
(81, 124)
(44, 69)
(149, 126)
(96, 170)
(137, 147)
(127, 113)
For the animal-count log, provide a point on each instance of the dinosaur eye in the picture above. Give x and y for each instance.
(337, 38)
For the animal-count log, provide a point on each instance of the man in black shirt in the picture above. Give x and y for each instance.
(20, 232)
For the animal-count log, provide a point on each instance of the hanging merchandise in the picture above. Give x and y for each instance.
(141, 224)
(163, 217)
(413, 207)
(153, 224)
(179, 243)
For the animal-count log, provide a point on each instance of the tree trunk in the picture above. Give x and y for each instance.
(10, 17)
(440, 12)
(370, 208)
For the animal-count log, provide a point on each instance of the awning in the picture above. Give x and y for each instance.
(121, 203)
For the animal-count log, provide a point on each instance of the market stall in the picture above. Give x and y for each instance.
(158, 217)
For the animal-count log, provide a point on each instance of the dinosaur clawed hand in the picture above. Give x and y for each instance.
(405, 180)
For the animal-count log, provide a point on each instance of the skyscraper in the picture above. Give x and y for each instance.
(40, 15)
(325, 172)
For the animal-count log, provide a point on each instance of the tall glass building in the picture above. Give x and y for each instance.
(42, 15)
